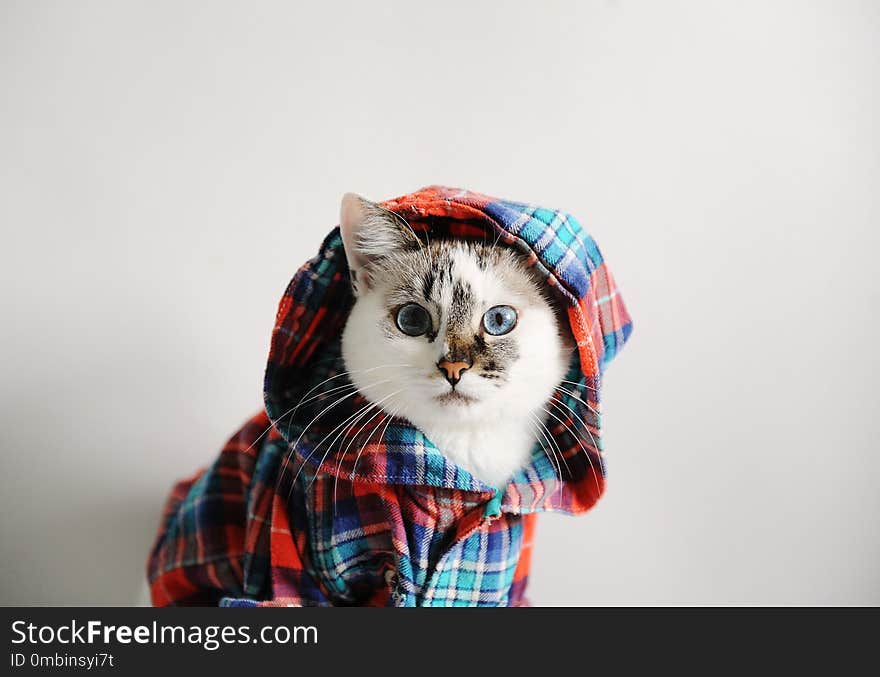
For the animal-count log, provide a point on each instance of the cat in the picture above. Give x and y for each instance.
(475, 346)
(432, 385)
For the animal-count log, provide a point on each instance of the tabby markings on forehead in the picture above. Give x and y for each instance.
(428, 284)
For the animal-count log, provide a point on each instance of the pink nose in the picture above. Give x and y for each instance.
(453, 370)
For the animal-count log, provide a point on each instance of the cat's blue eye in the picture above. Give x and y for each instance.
(499, 320)
(413, 320)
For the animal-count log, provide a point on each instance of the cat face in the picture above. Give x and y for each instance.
(455, 336)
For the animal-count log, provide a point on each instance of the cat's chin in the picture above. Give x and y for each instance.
(454, 398)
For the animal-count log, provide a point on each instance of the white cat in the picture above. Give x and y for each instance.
(457, 337)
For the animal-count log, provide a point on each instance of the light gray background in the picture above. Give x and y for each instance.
(167, 166)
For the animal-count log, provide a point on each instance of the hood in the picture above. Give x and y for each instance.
(305, 389)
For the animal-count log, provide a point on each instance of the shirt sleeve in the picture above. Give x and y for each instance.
(214, 540)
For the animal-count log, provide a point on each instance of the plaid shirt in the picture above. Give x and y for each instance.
(304, 508)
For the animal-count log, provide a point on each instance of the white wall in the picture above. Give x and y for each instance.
(166, 166)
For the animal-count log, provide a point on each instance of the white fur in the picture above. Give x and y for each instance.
(493, 435)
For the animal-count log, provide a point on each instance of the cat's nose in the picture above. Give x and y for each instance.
(453, 370)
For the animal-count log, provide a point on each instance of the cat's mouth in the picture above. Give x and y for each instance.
(455, 397)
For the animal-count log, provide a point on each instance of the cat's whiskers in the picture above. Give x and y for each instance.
(580, 385)
(326, 393)
(578, 440)
(540, 428)
(327, 380)
(588, 431)
(582, 421)
(557, 470)
(302, 401)
(555, 444)
(315, 448)
(359, 413)
(390, 418)
(575, 396)
(343, 452)
(292, 448)
(558, 449)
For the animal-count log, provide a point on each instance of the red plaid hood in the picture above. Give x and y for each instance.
(316, 304)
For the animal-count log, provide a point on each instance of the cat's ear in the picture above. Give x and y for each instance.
(369, 233)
